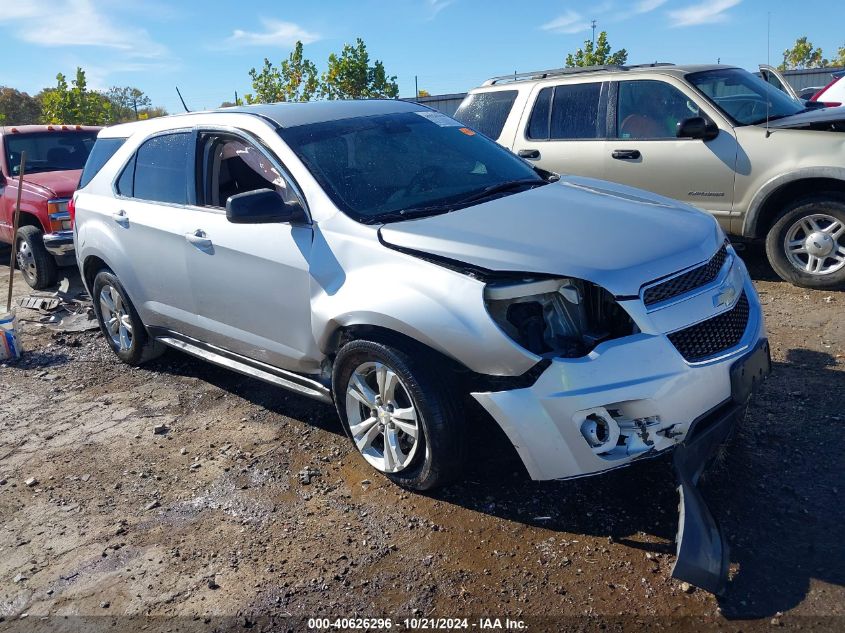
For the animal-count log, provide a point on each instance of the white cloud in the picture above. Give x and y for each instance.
(708, 12)
(436, 6)
(275, 33)
(646, 6)
(569, 22)
(77, 23)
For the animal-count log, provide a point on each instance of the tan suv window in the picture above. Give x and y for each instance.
(649, 109)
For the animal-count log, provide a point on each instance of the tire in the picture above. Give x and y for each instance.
(813, 263)
(35, 263)
(119, 321)
(437, 455)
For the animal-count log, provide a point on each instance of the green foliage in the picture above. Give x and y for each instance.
(74, 104)
(294, 80)
(18, 108)
(127, 103)
(803, 55)
(350, 76)
(597, 54)
(839, 60)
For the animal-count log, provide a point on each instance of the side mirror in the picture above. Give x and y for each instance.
(262, 206)
(697, 127)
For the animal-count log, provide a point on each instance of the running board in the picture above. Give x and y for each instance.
(255, 369)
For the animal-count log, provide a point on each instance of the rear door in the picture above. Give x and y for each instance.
(565, 129)
(646, 152)
(147, 221)
(250, 282)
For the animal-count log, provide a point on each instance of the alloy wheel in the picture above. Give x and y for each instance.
(382, 417)
(116, 318)
(815, 244)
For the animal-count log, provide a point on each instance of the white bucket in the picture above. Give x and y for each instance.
(10, 347)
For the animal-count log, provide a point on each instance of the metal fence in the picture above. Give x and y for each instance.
(447, 104)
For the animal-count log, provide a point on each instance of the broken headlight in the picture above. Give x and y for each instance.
(558, 317)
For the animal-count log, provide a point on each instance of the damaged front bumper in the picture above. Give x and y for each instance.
(702, 553)
(634, 398)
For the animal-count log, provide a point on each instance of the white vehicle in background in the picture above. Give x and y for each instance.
(833, 94)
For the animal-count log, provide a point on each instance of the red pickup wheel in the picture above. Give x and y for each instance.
(37, 265)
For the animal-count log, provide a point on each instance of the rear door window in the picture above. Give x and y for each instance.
(567, 112)
(487, 112)
(103, 150)
(159, 170)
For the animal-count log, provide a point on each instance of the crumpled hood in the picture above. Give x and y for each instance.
(613, 235)
(55, 184)
(832, 119)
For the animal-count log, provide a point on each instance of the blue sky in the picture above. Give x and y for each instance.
(207, 48)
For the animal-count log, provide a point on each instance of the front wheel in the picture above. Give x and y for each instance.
(400, 417)
(34, 261)
(806, 245)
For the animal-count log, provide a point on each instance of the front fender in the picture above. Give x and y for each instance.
(750, 225)
(438, 307)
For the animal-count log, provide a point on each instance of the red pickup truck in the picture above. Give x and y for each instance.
(55, 156)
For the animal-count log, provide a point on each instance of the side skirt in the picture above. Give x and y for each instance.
(243, 365)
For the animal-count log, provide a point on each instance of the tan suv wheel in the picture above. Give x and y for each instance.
(806, 245)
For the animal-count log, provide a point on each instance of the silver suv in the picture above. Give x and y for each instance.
(381, 256)
(714, 136)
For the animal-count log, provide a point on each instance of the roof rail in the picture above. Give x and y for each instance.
(555, 72)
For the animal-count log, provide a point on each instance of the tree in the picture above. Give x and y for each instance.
(597, 54)
(126, 103)
(423, 93)
(74, 104)
(295, 79)
(840, 57)
(350, 75)
(18, 108)
(803, 55)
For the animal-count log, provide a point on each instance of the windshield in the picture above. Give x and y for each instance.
(49, 151)
(743, 96)
(377, 167)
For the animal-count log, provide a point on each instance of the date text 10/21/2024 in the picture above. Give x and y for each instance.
(417, 624)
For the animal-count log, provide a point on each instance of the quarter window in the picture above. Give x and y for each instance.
(650, 109)
(232, 165)
(158, 171)
(567, 112)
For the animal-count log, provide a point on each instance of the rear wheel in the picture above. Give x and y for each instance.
(120, 323)
(806, 245)
(35, 263)
(403, 420)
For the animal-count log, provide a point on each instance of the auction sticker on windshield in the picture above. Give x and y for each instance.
(439, 118)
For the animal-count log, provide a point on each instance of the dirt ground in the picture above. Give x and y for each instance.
(253, 508)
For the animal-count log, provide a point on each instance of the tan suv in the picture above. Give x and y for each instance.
(765, 164)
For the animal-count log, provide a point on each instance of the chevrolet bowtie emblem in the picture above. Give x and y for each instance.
(725, 296)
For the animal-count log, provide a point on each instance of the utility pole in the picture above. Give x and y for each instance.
(237, 103)
(135, 105)
(416, 88)
(593, 25)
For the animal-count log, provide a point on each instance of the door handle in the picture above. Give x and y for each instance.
(120, 217)
(531, 154)
(626, 154)
(198, 239)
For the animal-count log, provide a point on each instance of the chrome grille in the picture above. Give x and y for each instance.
(690, 280)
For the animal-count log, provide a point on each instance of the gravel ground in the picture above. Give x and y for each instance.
(181, 489)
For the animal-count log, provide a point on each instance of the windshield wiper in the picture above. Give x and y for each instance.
(500, 188)
(407, 214)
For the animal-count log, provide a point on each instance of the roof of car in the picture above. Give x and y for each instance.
(290, 114)
(557, 73)
(34, 129)
(284, 115)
